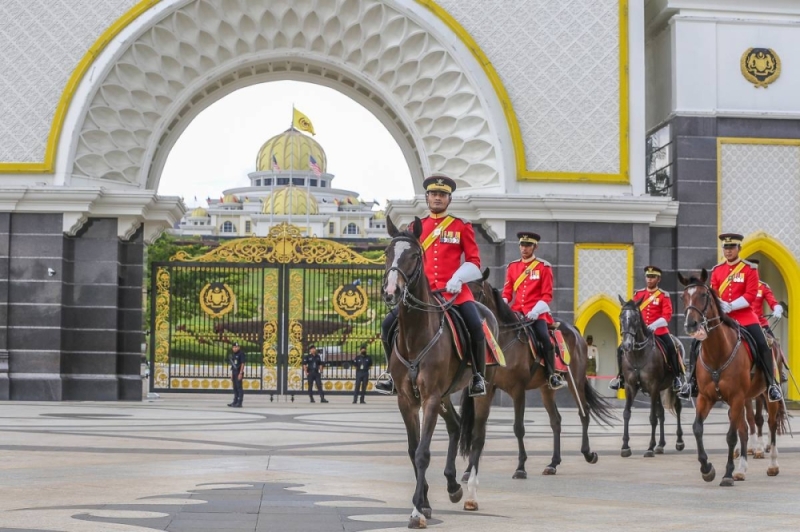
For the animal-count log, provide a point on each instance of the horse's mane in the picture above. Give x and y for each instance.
(727, 320)
(504, 312)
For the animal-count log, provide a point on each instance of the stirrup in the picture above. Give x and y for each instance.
(687, 391)
(477, 386)
(556, 382)
(384, 384)
(615, 384)
(677, 384)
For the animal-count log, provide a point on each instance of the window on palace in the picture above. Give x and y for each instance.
(228, 227)
(313, 182)
(258, 182)
(331, 228)
(268, 182)
(298, 181)
(283, 181)
(351, 229)
(247, 227)
(322, 183)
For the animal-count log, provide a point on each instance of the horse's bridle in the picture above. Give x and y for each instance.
(709, 297)
(408, 299)
(638, 346)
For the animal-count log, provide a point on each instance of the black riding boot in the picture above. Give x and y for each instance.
(478, 385)
(619, 381)
(773, 390)
(689, 389)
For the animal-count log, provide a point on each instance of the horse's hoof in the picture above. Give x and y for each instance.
(773, 471)
(520, 474)
(427, 512)
(758, 455)
(471, 505)
(456, 496)
(749, 451)
(660, 449)
(708, 477)
(465, 477)
(591, 457)
(727, 482)
(625, 453)
(417, 522)
(649, 453)
(549, 470)
(680, 446)
(738, 476)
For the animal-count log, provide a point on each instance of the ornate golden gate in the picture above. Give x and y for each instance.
(274, 296)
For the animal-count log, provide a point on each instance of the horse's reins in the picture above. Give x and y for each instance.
(715, 374)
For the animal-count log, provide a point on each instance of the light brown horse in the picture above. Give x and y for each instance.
(523, 372)
(426, 369)
(724, 372)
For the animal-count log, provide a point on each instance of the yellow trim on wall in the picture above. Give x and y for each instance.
(576, 269)
(69, 91)
(600, 303)
(523, 173)
(787, 265)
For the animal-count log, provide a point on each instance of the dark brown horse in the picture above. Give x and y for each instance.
(426, 369)
(645, 369)
(523, 373)
(724, 372)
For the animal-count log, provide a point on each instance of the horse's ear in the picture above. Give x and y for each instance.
(704, 275)
(485, 274)
(391, 228)
(621, 301)
(417, 227)
(683, 280)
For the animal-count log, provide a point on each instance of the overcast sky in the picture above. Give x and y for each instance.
(219, 148)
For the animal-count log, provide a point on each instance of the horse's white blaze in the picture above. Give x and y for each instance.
(472, 485)
(391, 279)
(773, 456)
(692, 290)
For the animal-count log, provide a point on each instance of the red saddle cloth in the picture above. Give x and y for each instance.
(494, 355)
(562, 354)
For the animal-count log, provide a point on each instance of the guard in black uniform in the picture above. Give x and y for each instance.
(362, 363)
(237, 361)
(312, 365)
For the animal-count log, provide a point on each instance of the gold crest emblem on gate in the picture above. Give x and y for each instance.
(217, 299)
(761, 66)
(350, 301)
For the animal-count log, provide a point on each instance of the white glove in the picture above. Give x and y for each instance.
(506, 301)
(539, 308)
(777, 312)
(725, 306)
(465, 273)
(738, 303)
(660, 322)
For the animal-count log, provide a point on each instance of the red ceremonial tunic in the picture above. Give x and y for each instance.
(764, 294)
(659, 305)
(537, 286)
(743, 284)
(443, 256)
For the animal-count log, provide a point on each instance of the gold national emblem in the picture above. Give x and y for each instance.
(350, 301)
(760, 66)
(217, 299)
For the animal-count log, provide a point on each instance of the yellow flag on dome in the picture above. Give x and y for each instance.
(301, 122)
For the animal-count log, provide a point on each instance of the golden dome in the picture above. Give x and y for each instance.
(290, 199)
(199, 213)
(230, 198)
(291, 150)
(380, 215)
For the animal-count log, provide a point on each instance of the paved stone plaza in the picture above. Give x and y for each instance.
(187, 462)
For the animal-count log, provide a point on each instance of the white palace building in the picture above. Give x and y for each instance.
(285, 189)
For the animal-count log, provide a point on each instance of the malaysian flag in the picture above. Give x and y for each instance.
(275, 167)
(314, 166)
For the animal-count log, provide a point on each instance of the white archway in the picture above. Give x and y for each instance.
(179, 57)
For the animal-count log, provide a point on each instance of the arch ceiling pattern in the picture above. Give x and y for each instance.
(387, 51)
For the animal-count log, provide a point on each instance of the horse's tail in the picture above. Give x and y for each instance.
(668, 398)
(783, 419)
(599, 409)
(467, 423)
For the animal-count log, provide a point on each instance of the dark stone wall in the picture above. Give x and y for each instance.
(76, 334)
